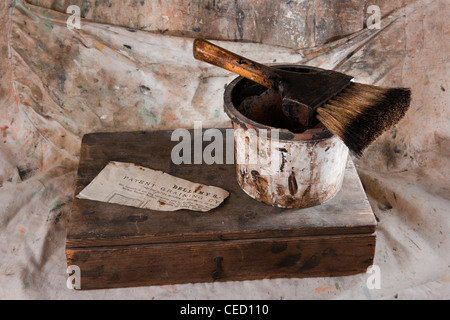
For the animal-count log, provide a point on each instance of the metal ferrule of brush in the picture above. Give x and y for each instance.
(303, 95)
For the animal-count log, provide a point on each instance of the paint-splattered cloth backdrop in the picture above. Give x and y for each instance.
(118, 74)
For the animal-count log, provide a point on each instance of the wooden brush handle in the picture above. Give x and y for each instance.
(207, 52)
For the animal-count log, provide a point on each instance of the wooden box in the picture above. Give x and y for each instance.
(117, 246)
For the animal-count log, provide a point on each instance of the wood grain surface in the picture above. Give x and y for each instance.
(239, 217)
(293, 257)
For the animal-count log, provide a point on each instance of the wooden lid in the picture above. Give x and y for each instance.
(97, 224)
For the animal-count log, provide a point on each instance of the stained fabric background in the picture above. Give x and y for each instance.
(130, 67)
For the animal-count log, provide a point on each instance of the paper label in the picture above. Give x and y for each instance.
(131, 185)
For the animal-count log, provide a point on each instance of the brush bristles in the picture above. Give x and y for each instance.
(361, 113)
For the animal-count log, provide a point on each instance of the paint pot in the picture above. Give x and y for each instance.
(278, 162)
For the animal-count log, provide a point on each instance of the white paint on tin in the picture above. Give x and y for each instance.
(317, 167)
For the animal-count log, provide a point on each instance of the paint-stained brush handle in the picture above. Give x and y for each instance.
(207, 52)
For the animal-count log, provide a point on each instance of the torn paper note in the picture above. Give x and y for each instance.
(132, 185)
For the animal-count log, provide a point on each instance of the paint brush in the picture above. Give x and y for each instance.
(356, 113)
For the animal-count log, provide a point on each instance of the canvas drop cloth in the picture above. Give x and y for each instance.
(58, 84)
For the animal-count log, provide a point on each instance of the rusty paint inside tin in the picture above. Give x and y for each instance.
(252, 106)
(311, 162)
